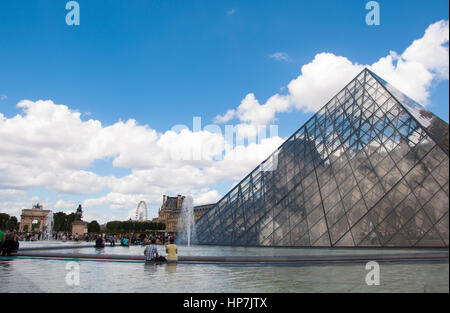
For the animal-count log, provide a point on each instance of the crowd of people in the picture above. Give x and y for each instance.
(123, 239)
(9, 242)
(129, 239)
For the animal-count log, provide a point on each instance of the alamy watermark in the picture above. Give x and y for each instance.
(373, 276)
(73, 16)
(373, 16)
(235, 143)
(73, 274)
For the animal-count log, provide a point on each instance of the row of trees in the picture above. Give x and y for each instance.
(7, 222)
(133, 226)
(62, 222)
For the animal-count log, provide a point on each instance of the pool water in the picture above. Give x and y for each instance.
(48, 275)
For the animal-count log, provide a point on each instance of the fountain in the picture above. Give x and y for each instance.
(186, 224)
(48, 227)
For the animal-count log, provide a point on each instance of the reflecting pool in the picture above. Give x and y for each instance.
(47, 275)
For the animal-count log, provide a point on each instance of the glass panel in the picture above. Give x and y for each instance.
(363, 160)
(437, 207)
(339, 229)
(317, 230)
(335, 214)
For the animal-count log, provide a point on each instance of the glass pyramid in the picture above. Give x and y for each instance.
(370, 169)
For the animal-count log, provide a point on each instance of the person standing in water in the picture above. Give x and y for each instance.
(172, 251)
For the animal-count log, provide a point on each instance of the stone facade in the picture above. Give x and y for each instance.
(171, 210)
(29, 215)
(79, 228)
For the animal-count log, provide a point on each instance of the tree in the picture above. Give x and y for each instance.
(13, 223)
(4, 219)
(7, 222)
(59, 221)
(133, 226)
(93, 227)
(62, 221)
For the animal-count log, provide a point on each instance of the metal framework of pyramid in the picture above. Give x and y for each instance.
(370, 169)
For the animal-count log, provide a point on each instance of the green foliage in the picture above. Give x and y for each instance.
(4, 219)
(6, 222)
(13, 223)
(133, 226)
(63, 222)
(93, 227)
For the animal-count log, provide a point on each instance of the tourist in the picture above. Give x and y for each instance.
(142, 238)
(99, 243)
(112, 240)
(125, 242)
(10, 243)
(2, 239)
(172, 251)
(151, 252)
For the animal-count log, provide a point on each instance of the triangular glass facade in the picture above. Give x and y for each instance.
(370, 169)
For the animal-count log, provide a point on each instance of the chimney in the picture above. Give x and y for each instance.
(179, 202)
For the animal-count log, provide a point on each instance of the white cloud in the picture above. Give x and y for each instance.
(7, 194)
(68, 205)
(412, 72)
(431, 50)
(3, 97)
(280, 56)
(225, 118)
(320, 80)
(49, 146)
(425, 60)
(206, 196)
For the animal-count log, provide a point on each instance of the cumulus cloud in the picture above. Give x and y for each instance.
(412, 72)
(320, 80)
(425, 60)
(68, 205)
(48, 145)
(225, 118)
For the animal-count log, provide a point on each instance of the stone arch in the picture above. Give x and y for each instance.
(28, 216)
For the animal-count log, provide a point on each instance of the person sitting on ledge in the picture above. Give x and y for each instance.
(151, 253)
(172, 251)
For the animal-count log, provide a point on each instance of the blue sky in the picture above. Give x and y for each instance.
(163, 62)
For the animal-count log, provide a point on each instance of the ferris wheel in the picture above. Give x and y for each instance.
(142, 211)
